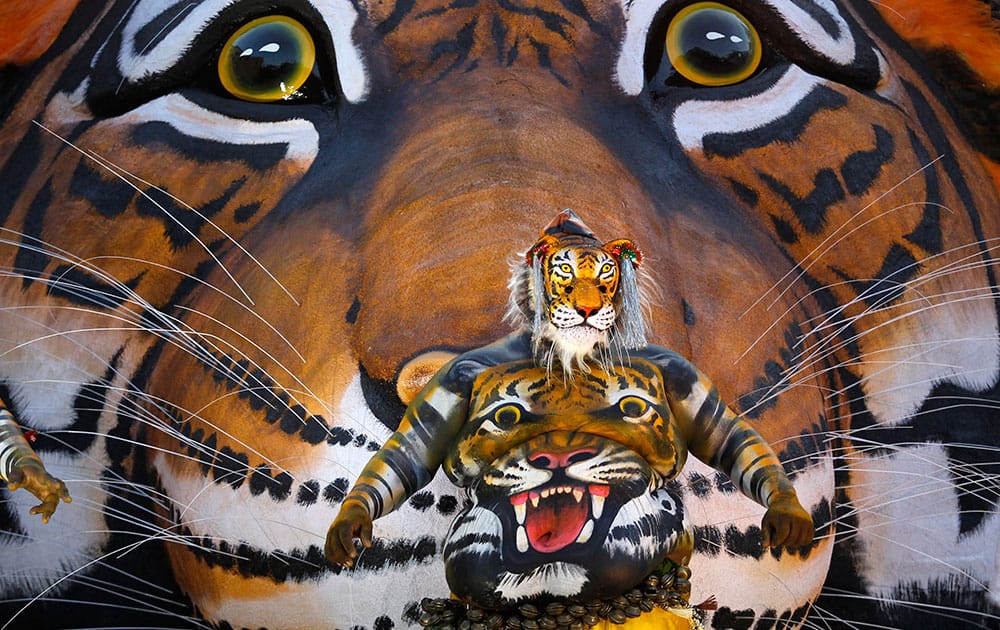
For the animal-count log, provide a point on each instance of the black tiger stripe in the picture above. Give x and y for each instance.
(942, 146)
(786, 129)
(927, 234)
(78, 287)
(810, 210)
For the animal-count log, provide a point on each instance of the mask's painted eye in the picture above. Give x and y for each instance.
(711, 44)
(267, 60)
(566, 268)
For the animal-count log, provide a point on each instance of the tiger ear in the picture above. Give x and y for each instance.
(624, 247)
(541, 250)
(28, 28)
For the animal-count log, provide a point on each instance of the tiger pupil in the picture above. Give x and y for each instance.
(507, 416)
(632, 407)
(268, 59)
(711, 44)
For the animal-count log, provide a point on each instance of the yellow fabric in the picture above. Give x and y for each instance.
(657, 619)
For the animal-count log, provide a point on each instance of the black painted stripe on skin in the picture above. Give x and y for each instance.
(12, 534)
(412, 474)
(425, 421)
(679, 376)
(460, 546)
(786, 129)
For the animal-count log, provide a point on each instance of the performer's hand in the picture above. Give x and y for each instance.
(32, 476)
(352, 522)
(786, 523)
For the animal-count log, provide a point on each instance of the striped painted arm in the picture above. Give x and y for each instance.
(411, 457)
(14, 448)
(729, 444)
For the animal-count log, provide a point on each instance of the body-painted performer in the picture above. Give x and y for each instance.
(21, 467)
(565, 434)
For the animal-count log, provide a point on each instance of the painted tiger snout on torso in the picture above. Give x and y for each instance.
(208, 299)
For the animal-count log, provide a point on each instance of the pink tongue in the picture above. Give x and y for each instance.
(555, 523)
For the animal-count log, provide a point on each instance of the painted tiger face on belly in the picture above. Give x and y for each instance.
(568, 484)
(208, 295)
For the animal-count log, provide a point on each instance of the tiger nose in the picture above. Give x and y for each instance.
(586, 311)
(552, 461)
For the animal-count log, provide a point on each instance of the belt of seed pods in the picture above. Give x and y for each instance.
(667, 590)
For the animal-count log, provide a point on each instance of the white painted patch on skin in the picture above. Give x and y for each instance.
(298, 135)
(907, 511)
(339, 16)
(479, 523)
(695, 119)
(555, 578)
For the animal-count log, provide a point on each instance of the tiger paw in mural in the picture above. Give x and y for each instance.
(566, 435)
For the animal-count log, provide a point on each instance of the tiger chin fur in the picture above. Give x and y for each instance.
(207, 301)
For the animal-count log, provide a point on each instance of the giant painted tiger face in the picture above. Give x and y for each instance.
(207, 298)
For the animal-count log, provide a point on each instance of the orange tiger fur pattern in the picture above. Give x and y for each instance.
(214, 291)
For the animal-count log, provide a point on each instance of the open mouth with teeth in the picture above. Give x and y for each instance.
(552, 518)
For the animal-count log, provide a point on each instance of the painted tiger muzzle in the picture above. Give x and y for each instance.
(565, 514)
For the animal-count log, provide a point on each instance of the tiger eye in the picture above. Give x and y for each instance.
(632, 406)
(267, 60)
(711, 44)
(506, 416)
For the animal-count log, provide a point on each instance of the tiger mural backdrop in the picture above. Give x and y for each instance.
(223, 275)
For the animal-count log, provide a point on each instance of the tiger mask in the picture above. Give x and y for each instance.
(581, 298)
